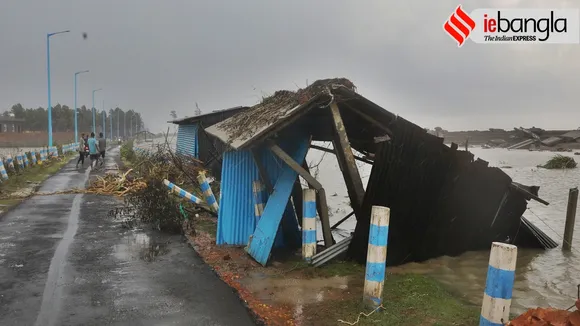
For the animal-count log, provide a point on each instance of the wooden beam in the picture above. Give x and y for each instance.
(262, 171)
(295, 166)
(346, 162)
(369, 118)
(324, 219)
(297, 199)
(328, 150)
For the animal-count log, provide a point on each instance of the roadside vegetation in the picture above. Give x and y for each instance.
(154, 204)
(22, 183)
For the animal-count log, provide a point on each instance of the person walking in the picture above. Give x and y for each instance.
(81, 150)
(102, 147)
(93, 150)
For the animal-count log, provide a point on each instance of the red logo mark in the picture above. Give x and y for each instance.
(453, 26)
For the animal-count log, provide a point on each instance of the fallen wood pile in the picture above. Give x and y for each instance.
(117, 184)
(548, 317)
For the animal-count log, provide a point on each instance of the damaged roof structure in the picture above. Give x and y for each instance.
(192, 139)
(442, 201)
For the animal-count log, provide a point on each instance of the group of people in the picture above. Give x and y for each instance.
(92, 147)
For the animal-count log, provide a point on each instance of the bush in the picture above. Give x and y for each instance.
(127, 151)
(560, 162)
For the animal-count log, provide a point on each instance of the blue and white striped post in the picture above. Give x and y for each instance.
(376, 257)
(260, 196)
(25, 157)
(55, 151)
(42, 155)
(207, 193)
(501, 273)
(20, 161)
(3, 171)
(308, 224)
(181, 193)
(10, 162)
(33, 157)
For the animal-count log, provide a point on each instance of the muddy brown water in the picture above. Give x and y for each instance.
(543, 278)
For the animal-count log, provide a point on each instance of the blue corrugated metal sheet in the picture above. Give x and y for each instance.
(265, 233)
(187, 140)
(236, 220)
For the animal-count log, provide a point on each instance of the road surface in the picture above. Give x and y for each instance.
(63, 261)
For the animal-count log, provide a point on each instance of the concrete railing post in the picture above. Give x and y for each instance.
(376, 257)
(20, 161)
(259, 192)
(33, 157)
(10, 162)
(207, 193)
(308, 224)
(181, 193)
(3, 171)
(501, 272)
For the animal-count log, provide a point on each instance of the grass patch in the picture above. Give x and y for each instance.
(409, 299)
(32, 175)
(6, 204)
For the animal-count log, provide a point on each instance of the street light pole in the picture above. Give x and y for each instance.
(76, 108)
(118, 120)
(111, 123)
(93, 109)
(49, 108)
(104, 121)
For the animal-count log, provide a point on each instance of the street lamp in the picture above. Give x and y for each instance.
(76, 108)
(96, 90)
(104, 121)
(49, 109)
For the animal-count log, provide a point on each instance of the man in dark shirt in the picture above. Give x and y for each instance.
(102, 147)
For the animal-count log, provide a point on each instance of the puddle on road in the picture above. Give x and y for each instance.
(137, 245)
(297, 293)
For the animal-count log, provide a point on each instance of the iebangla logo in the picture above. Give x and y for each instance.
(465, 26)
(514, 25)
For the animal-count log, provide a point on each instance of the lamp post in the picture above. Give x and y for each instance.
(76, 108)
(118, 120)
(49, 108)
(104, 121)
(94, 127)
(111, 123)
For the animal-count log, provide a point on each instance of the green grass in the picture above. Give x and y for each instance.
(409, 299)
(31, 175)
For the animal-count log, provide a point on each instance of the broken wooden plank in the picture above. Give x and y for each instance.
(262, 239)
(324, 219)
(328, 150)
(262, 170)
(346, 161)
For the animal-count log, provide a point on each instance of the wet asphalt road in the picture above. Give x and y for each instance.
(64, 261)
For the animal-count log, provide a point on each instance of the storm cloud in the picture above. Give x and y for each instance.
(158, 56)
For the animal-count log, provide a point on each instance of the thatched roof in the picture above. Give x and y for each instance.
(245, 124)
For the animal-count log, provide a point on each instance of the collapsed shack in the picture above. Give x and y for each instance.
(194, 141)
(442, 201)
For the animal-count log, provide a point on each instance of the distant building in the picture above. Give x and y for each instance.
(11, 125)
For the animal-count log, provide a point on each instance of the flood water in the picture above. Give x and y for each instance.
(543, 278)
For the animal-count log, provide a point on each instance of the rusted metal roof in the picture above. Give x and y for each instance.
(573, 135)
(226, 113)
(552, 141)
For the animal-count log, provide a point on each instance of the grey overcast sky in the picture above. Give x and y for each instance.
(156, 56)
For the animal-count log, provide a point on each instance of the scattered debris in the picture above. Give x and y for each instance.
(547, 317)
(560, 162)
(117, 184)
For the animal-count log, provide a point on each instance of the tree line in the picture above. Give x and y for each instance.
(63, 119)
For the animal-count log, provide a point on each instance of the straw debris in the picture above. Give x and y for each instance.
(247, 123)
